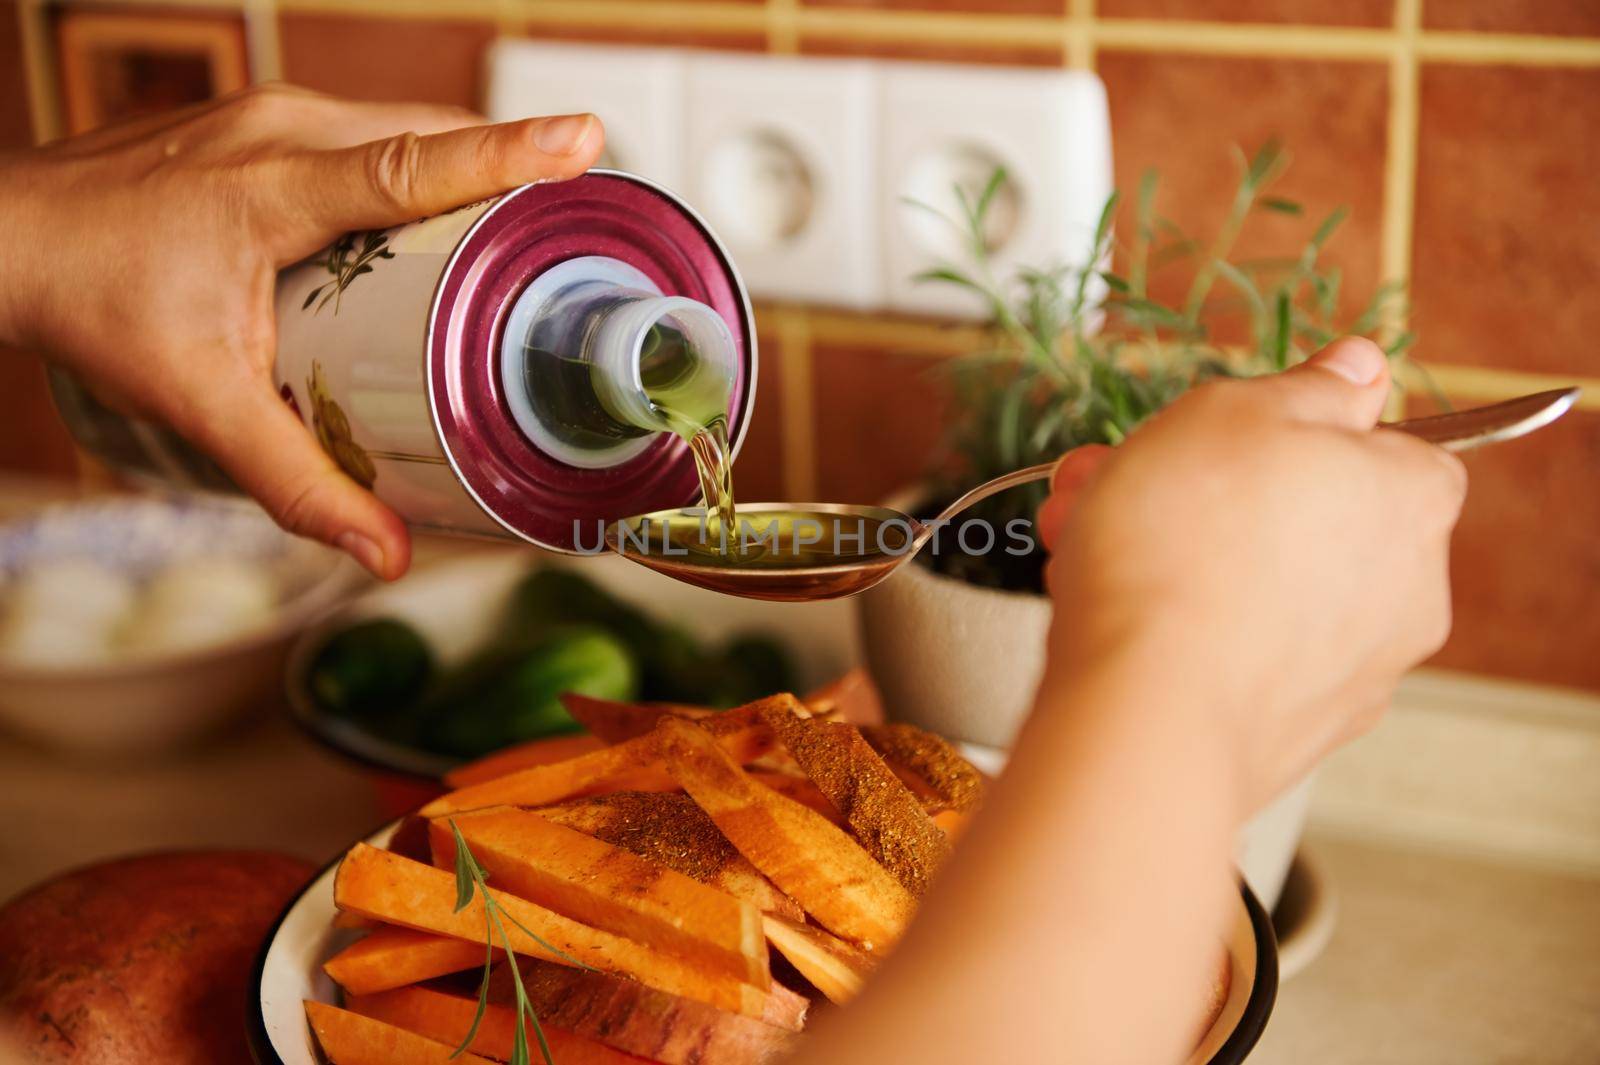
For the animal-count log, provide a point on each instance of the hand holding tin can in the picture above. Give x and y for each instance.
(143, 259)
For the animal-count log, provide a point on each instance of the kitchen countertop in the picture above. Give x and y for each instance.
(1438, 959)
(262, 786)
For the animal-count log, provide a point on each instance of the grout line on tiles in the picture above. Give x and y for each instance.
(797, 403)
(938, 340)
(1518, 50)
(784, 21)
(860, 24)
(1484, 383)
(1400, 166)
(262, 41)
(783, 35)
(507, 23)
(1080, 34)
(38, 60)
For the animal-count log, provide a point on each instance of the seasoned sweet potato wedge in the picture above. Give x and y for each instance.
(800, 789)
(639, 1020)
(447, 1017)
(612, 889)
(809, 858)
(833, 966)
(615, 722)
(630, 766)
(669, 829)
(385, 886)
(393, 957)
(930, 766)
(523, 756)
(350, 1039)
(878, 809)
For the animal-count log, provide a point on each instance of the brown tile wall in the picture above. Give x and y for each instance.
(31, 437)
(16, 121)
(1557, 17)
(1508, 217)
(386, 59)
(1524, 564)
(1503, 237)
(1330, 117)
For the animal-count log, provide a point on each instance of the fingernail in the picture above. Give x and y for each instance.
(362, 549)
(563, 135)
(1357, 361)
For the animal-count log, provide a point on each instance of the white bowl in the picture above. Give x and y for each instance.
(151, 701)
(289, 971)
(455, 604)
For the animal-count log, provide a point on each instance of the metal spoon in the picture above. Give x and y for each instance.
(793, 577)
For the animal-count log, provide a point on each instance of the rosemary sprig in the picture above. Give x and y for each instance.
(1082, 354)
(472, 878)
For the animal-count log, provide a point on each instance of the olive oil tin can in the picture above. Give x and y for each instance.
(389, 348)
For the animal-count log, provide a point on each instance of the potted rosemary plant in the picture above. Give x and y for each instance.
(1080, 355)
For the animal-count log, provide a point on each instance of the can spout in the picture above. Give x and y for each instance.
(595, 361)
(665, 363)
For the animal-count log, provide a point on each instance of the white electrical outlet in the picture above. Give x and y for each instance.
(636, 92)
(949, 125)
(780, 158)
(803, 166)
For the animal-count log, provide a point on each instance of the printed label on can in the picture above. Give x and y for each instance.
(352, 344)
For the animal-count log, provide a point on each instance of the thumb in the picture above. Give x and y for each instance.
(401, 178)
(1345, 384)
(281, 465)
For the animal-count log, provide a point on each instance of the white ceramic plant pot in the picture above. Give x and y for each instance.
(963, 661)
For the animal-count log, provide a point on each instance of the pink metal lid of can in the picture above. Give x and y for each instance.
(603, 213)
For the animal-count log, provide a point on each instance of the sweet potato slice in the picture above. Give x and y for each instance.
(929, 765)
(350, 1039)
(616, 722)
(812, 860)
(630, 1017)
(630, 766)
(625, 767)
(523, 756)
(833, 966)
(447, 1017)
(670, 830)
(800, 789)
(612, 889)
(385, 886)
(878, 809)
(393, 957)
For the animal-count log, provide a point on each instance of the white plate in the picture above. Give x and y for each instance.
(289, 971)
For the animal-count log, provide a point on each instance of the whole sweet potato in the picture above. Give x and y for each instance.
(140, 960)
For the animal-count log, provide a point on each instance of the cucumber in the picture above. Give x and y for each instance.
(522, 700)
(371, 671)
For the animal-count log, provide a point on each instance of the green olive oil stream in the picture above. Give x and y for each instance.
(696, 409)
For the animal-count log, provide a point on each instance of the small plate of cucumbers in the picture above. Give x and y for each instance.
(471, 655)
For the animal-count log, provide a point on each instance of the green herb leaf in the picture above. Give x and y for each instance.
(467, 871)
(1282, 206)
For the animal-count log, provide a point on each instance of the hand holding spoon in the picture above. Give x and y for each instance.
(679, 544)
